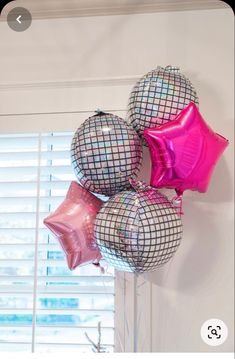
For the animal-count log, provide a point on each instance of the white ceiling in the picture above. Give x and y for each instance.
(42, 9)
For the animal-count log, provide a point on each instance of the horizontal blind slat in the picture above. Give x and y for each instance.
(45, 184)
(59, 326)
(68, 279)
(32, 155)
(65, 295)
(27, 246)
(32, 170)
(7, 143)
(60, 289)
(61, 311)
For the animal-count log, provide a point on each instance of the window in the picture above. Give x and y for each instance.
(43, 305)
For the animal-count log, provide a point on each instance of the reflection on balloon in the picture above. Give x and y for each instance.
(184, 152)
(73, 224)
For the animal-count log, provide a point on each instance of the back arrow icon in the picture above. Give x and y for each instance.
(18, 19)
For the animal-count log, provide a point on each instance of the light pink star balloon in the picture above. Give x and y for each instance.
(184, 152)
(72, 223)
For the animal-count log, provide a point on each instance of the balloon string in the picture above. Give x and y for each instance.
(177, 202)
(102, 270)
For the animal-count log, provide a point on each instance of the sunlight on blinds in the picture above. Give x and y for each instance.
(43, 305)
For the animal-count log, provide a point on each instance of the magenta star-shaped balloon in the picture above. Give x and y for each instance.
(73, 223)
(184, 152)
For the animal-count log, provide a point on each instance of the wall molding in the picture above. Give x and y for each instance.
(82, 83)
(46, 106)
(82, 8)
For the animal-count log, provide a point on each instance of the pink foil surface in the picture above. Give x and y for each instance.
(73, 223)
(184, 152)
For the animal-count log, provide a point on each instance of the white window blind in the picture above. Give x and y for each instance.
(43, 305)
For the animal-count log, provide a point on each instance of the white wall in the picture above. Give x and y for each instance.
(76, 65)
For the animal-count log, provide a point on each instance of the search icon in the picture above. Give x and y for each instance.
(214, 332)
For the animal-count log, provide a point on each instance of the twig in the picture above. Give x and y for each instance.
(96, 348)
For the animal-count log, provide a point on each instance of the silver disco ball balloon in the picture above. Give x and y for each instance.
(138, 231)
(106, 153)
(157, 98)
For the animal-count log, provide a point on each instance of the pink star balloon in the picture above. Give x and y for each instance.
(184, 152)
(73, 222)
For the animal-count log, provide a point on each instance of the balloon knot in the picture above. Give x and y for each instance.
(99, 112)
(172, 68)
(177, 202)
(139, 186)
(102, 270)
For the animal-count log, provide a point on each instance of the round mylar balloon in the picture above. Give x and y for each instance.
(106, 153)
(138, 231)
(157, 98)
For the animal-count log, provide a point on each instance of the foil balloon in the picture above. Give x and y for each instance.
(106, 153)
(158, 97)
(73, 223)
(138, 230)
(184, 152)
